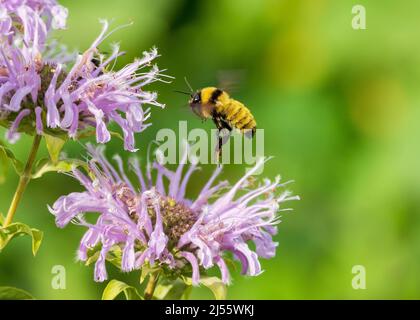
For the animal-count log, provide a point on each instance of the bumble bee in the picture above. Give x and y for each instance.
(227, 113)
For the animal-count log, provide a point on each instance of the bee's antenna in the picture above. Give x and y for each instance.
(183, 92)
(188, 84)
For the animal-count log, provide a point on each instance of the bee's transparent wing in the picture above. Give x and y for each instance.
(231, 80)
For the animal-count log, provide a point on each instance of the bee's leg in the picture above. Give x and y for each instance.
(219, 146)
(221, 142)
(223, 136)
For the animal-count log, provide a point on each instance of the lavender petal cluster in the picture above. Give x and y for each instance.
(153, 222)
(43, 89)
(30, 19)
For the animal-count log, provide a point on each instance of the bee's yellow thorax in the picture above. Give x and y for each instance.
(207, 93)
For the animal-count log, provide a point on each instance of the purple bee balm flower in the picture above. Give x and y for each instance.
(29, 19)
(157, 224)
(39, 92)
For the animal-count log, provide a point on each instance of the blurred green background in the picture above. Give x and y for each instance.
(340, 109)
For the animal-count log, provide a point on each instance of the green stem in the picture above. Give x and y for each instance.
(151, 286)
(23, 181)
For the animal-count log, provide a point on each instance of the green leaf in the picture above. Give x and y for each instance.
(17, 230)
(113, 256)
(231, 264)
(173, 290)
(116, 135)
(46, 165)
(187, 293)
(115, 288)
(10, 293)
(146, 271)
(7, 155)
(92, 257)
(215, 284)
(4, 161)
(54, 146)
(90, 133)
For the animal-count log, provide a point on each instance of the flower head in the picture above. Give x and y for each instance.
(29, 19)
(45, 90)
(157, 224)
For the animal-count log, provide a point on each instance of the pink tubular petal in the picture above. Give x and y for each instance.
(38, 120)
(265, 246)
(68, 111)
(89, 240)
(250, 264)
(59, 14)
(228, 197)
(175, 182)
(12, 134)
(144, 218)
(119, 162)
(53, 117)
(15, 102)
(100, 269)
(184, 183)
(194, 264)
(128, 257)
(158, 239)
(223, 269)
(4, 89)
(135, 166)
(102, 133)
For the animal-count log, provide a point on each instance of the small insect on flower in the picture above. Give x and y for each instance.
(226, 112)
(157, 225)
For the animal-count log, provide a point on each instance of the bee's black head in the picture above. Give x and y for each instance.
(196, 98)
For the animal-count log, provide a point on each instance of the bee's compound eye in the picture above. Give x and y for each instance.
(196, 98)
